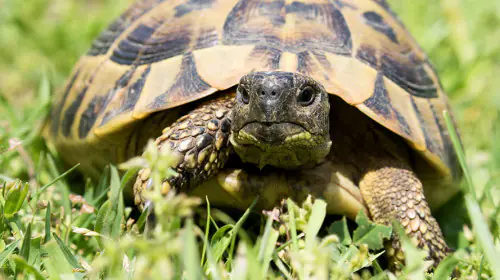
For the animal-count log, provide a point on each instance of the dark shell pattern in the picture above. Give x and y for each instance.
(164, 53)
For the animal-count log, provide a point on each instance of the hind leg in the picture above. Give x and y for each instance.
(392, 191)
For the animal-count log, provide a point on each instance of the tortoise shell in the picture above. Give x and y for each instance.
(161, 54)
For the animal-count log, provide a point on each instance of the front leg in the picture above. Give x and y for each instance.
(391, 190)
(200, 142)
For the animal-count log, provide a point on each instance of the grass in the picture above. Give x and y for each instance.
(50, 232)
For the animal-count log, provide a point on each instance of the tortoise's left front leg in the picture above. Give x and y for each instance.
(392, 191)
(199, 141)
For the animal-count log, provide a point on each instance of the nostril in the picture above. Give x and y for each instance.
(264, 93)
(243, 94)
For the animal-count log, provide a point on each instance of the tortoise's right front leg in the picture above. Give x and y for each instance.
(200, 142)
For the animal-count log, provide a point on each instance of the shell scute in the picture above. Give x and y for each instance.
(70, 112)
(125, 96)
(381, 104)
(192, 5)
(187, 82)
(376, 21)
(107, 38)
(90, 115)
(146, 45)
(286, 27)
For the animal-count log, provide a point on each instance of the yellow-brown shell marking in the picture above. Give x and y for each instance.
(162, 54)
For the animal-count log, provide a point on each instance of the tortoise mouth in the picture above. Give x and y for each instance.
(282, 144)
(273, 132)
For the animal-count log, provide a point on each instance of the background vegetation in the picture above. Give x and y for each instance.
(47, 231)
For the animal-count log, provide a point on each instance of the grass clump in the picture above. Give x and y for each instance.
(50, 231)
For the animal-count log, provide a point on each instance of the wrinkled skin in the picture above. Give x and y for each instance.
(281, 119)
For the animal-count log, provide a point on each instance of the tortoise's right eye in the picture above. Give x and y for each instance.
(243, 95)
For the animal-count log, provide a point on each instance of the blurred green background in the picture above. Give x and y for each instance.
(461, 37)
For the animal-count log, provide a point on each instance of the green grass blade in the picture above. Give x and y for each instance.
(481, 264)
(23, 265)
(47, 224)
(128, 176)
(281, 267)
(265, 237)
(460, 153)
(483, 234)
(445, 268)
(11, 112)
(220, 241)
(190, 257)
(211, 267)
(291, 225)
(481, 230)
(114, 183)
(377, 268)
(102, 187)
(235, 230)
(111, 214)
(268, 244)
(16, 232)
(56, 263)
(207, 232)
(142, 219)
(63, 188)
(7, 251)
(89, 191)
(56, 179)
(67, 252)
(315, 221)
(25, 248)
(110, 219)
(101, 224)
(35, 252)
(44, 88)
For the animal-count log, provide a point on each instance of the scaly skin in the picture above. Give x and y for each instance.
(393, 192)
(200, 140)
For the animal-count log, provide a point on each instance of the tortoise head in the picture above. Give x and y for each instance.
(281, 119)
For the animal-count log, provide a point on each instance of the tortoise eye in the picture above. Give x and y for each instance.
(306, 96)
(243, 94)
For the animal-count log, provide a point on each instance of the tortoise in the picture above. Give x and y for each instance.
(277, 98)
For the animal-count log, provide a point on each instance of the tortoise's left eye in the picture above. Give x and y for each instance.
(243, 94)
(306, 96)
